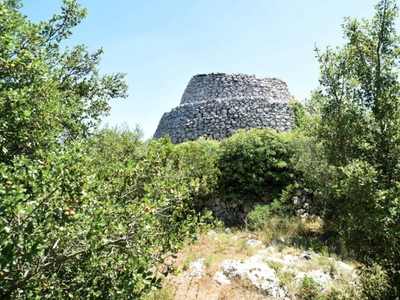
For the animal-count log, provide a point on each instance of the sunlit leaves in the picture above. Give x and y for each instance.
(359, 129)
(47, 91)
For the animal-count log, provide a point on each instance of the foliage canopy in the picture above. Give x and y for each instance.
(46, 91)
(359, 130)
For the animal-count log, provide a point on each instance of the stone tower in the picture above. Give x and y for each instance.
(216, 105)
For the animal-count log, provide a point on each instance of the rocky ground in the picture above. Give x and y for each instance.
(238, 265)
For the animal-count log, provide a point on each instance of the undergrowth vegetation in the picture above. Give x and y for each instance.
(254, 164)
(219, 245)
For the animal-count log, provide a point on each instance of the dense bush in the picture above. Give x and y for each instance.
(44, 211)
(259, 217)
(198, 158)
(94, 226)
(253, 165)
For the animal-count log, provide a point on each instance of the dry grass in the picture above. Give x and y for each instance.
(213, 248)
(239, 290)
(220, 245)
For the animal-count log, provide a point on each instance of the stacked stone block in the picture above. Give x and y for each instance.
(217, 105)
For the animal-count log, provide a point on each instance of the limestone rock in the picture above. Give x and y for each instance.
(196, 268)
(221, 278)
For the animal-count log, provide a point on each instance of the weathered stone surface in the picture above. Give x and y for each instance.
(217, 105)
(256, 271)
(320, 276)
(221, 278)
(196, 268)
(205, 87)
(253, 243)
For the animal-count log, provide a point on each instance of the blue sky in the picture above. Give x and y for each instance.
(161, 44)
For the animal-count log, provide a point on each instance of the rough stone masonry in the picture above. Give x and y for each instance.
(216, 105)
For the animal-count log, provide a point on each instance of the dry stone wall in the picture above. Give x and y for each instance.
(206, 87)
(217, 105)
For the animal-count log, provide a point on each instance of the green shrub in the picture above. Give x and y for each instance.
(374, 282)
(254, 164)
(99, 226)
(364, 207)
(301, 116)
(259, 217)
(197, 158)
(124, 142)
(309, 289)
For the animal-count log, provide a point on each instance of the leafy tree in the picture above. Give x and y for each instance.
(47, 91)
(93, 217)
(361, 93)
(359, 129)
